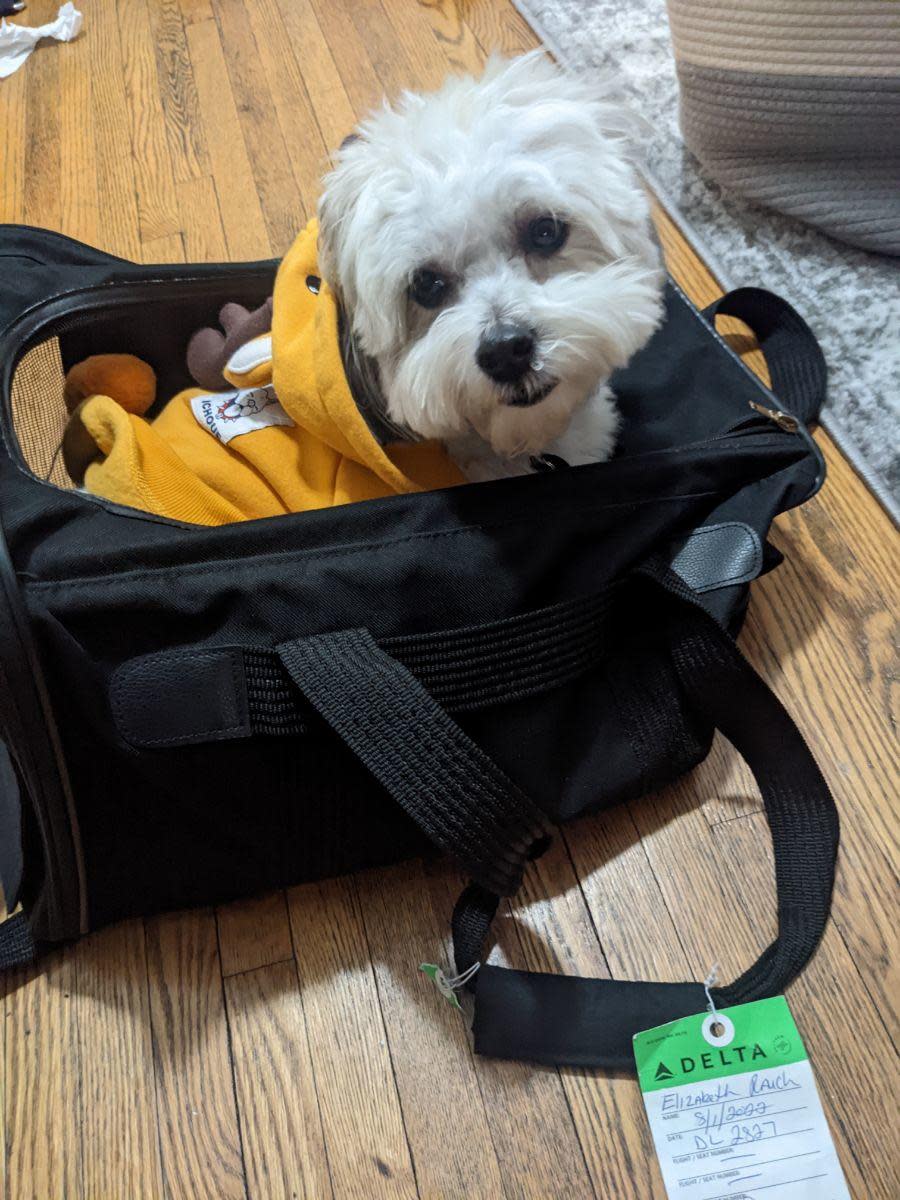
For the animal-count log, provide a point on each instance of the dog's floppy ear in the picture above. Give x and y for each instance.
(342, 188)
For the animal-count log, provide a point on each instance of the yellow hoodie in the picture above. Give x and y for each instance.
(288, 438)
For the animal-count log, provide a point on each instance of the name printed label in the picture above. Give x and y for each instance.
(227, 415)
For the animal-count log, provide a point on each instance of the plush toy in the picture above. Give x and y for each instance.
(128, 380)
(209, 349)
(132, 383)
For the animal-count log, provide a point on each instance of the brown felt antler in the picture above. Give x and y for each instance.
(209, 349)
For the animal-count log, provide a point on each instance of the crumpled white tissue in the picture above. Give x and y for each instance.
(18, 41)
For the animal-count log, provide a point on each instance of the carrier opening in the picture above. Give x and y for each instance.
(219, 444)
(149, 318)
(162, 396)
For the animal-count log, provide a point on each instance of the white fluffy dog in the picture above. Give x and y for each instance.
(491, 249)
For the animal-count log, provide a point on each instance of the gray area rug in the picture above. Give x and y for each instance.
(850, 298)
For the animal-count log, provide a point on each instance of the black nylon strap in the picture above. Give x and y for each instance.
(564, 1020)
(441, 778)
(463, 669)
(801, 814)
(472, 810)
(193, 694)
(16, 943)
(579, 1022)
(793, 355)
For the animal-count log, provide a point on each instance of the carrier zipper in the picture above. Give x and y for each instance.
(791, 424)
(783, 420)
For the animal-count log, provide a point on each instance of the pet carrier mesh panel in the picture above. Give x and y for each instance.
(193, 714)
(39, 411)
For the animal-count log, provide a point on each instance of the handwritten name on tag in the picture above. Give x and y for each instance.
(734, 1109)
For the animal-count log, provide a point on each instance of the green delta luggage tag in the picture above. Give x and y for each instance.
(734, 1109)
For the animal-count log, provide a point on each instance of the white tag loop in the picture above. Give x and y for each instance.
(708, 983)
(448, 987)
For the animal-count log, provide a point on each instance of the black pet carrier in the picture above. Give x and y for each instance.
(193, 714)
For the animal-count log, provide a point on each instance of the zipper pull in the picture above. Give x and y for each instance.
(782, 419)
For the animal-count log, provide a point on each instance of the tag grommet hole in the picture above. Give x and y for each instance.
(718, 1030)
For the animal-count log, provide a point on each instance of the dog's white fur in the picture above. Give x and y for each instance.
(446, 180)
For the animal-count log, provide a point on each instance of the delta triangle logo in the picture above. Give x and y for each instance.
(662, 1072)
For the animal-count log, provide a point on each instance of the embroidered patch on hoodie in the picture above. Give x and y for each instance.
(227, 415)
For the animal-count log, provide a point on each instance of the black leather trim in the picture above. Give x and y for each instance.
(717, 556)
(180, 697)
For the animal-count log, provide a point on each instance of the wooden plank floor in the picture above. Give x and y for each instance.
(287, 1046)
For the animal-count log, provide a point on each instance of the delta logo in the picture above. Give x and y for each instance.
(710, 1060)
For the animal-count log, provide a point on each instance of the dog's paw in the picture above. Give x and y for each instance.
(517, 432)
(591, 433)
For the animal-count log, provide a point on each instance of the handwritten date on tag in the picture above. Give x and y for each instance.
(734, 1109)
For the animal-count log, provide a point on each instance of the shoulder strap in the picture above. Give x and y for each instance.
(590, 1022)
(465, 803)
(793, 355)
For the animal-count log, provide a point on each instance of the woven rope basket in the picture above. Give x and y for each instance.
(796, 105)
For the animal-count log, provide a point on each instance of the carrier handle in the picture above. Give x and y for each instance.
(457, 794)
(569, 1021)
(472, 810)
(792, 352)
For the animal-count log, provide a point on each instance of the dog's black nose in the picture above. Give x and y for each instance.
(505, 352)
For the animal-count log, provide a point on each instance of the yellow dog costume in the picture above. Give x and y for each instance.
(289, 437)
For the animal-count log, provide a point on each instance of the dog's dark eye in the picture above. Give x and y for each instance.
(429, 288)
(545, 235)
